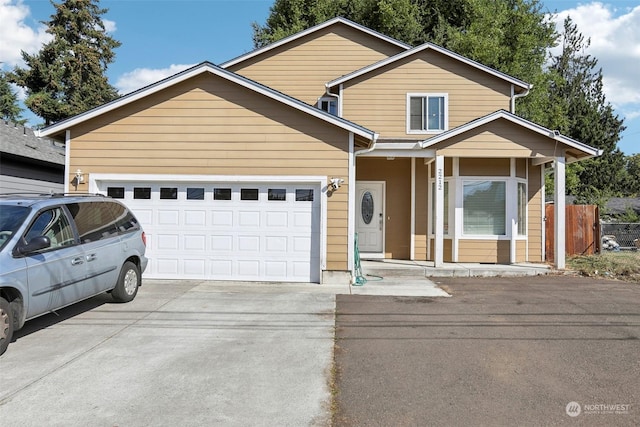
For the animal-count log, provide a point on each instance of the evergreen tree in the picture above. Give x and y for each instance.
(395, 18)
(589, 119)
(67, 76)
(512, 36)
(9, 108)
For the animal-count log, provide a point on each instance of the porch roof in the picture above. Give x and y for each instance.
(552, 139)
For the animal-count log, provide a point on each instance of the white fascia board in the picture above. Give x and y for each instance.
(420, 48)
(235, 78)
(502, 114)
(399, 149)
(311, 30)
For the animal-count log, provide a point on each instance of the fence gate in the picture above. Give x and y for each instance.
(582, 230)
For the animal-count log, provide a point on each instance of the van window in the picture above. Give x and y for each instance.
(94, 220)
(52, 223)
(100, 220)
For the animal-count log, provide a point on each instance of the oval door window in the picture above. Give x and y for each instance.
(367, 207)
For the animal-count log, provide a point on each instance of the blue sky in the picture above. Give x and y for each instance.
(162, 37)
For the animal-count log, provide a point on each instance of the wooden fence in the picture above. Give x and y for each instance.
(582, 230)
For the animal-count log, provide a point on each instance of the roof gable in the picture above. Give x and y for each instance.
(426, 46)
(578, 150)
(207, 67)
(311, 30)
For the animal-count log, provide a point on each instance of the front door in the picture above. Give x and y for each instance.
(370, 216)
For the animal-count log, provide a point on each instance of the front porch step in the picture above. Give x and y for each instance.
(394, 268)
(421, 269)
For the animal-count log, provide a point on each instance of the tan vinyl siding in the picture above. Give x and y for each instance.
(471, 92)
(535, 218)
(301, 68)
(492, 251)
(210, 126)
(496, 139)
(484, 167)
(521, 251)
(448, 167)
(447, 255)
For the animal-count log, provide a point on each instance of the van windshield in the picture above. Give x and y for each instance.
(11, 218)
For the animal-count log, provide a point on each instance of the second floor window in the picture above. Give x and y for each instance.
(427, 113)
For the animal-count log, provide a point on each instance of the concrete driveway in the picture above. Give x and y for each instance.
(546, 350)
(180, 354)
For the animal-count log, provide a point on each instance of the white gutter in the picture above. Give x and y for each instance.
(515, 96)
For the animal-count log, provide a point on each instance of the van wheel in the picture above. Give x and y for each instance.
(128, 283)
(6, 325)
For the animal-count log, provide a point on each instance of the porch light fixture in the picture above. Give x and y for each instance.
(79, 177)
(336, 183)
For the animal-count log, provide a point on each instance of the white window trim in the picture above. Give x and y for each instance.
(510, 208)
(424, 95)
(329, 99)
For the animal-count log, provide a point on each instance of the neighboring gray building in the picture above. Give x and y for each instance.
(29, 163)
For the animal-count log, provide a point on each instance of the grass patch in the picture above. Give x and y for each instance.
(612, 265)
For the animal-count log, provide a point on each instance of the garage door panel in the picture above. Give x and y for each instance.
(220, 218)
(167, 242)
(168, 217)
(277, 219)
(222, 268)
(165, 266)
(195, 218)
(194, 242)
(275, 237)
(276, 244)
(248, 244)
(195, 267)
(221, 243)
(249, 219)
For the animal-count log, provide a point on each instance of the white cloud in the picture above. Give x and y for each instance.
(141, 77)
(109, 26)
(615, 43)
(17, 35)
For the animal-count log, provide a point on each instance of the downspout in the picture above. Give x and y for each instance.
(327, 91)
(515, 96)
(352, 184)
(352, 201)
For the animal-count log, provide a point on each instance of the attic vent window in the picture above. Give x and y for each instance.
(330, 105)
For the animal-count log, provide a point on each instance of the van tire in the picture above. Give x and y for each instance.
(6, 325)
(128, 283)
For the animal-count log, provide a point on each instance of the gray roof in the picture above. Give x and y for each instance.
(21, 141)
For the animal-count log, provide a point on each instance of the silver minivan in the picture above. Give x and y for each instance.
(56, 250)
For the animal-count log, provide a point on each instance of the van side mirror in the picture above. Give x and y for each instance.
(35, 244)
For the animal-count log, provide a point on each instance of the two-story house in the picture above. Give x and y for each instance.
(267, 167)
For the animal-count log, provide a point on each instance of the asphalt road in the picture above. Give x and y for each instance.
(545, 350)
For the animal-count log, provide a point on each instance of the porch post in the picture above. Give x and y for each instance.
(559, 207)
(439, 213)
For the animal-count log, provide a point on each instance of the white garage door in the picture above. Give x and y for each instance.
(227, 231)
